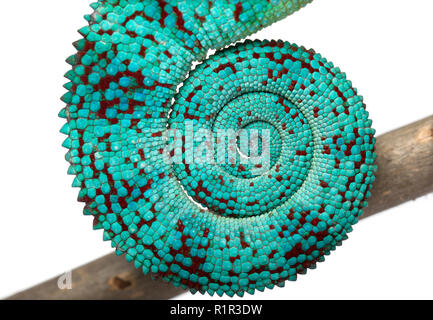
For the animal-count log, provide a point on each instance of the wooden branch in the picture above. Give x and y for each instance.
(107, 278)
(405, 162)
(405, 166)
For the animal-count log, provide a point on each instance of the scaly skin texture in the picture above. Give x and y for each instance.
(216, 228)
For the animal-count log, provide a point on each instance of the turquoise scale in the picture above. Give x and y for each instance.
(218, 227)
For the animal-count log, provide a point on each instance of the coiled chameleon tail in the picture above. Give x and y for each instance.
(219, 227)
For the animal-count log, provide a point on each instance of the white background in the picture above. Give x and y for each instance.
(384, 46)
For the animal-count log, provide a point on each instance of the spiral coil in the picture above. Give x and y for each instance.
(137, 113)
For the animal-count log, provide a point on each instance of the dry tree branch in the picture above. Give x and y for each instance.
(405, 162)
